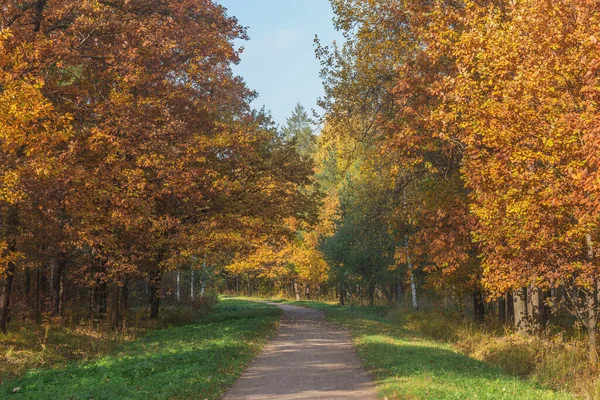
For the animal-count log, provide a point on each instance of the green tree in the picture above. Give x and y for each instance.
(299, 129)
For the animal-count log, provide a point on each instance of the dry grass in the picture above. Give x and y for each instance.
(28, 346)
(58, 341)
(549, 359)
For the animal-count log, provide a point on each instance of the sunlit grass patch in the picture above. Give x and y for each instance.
(192, 361)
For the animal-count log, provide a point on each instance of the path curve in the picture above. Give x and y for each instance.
(308, 359)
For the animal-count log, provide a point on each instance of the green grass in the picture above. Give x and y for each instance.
(407, 365)
(193, 361)
(74, 338)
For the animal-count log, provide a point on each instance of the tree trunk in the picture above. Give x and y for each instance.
(5, 296)
(63, 286)
(342, 297)
(592, 322)
(413, 289)
(28, 284)
(502, 310)
(178, 290)
(534, 314)
(399, 294)
(544, 308)
(371, 295)
(510, 307)
(389, 292)
(50, 281)
(11, 230)
(38, 296)
(102, 300)
(592, 310)
(92, 303)
(154, 303)
(192, 285)
(478, 306)
(124, 303)
(154, 294)
(114, 307)
(296, 291)
(520, 311)
(202, 283)
(58, 289)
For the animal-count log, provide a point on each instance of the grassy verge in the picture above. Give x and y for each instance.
(192, 361)
(407, 364)
(59, 341)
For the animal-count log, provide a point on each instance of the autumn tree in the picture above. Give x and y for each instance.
(523, 114)
(382, 89)
(165, 159)
(32, 135)
(283, 255)
(485, 110)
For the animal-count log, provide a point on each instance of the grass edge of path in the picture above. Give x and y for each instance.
(406, 364)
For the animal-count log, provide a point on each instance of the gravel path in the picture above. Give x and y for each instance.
(308, 359)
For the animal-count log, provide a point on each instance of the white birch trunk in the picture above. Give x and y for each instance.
(592, 318)
(178, 287)
(202, 281)
(52, 268)
(192, 285)
(413, 287)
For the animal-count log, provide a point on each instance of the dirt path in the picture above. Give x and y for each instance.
(308, 359)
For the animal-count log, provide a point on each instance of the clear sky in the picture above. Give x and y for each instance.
(279, 61)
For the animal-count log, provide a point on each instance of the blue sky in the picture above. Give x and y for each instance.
(278, 61)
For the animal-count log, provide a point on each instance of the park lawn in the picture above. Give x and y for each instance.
(192, 361)
(407, 365)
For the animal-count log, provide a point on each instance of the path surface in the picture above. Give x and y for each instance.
(308, 359)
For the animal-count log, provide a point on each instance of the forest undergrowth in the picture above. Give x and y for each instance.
(74, 337)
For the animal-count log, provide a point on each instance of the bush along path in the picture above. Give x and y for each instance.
(407, 365)
(193, 361)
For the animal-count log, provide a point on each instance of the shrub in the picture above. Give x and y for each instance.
(171, 317)
(516, 355)
(205, 302)
(552, 361)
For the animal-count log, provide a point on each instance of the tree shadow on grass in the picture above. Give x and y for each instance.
(148, 376)
(426, 371)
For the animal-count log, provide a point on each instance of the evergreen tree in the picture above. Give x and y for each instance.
(299, 129)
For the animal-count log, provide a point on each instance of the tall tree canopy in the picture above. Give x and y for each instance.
(483, 115)
(133, 144)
